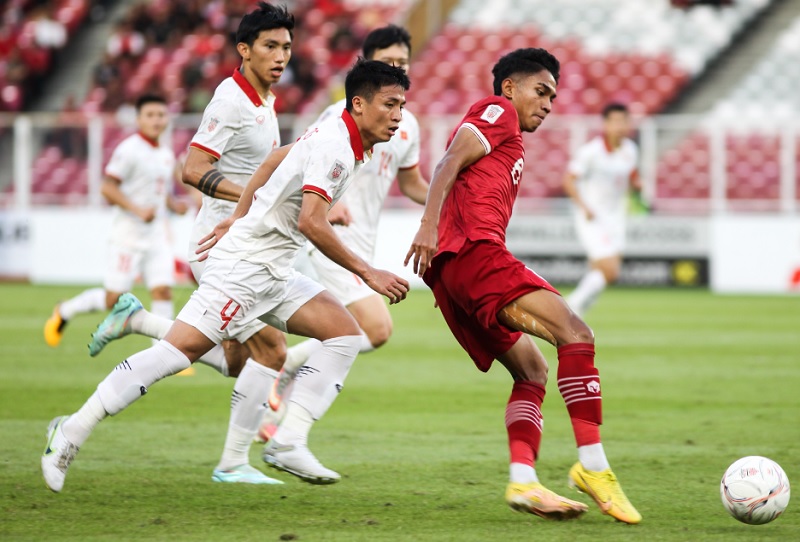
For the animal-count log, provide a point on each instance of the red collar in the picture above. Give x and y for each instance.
(609, 150)
(153, 142)
(248, 89)
(355, 136)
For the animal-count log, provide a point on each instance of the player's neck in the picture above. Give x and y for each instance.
(612, 143)
(262, 89)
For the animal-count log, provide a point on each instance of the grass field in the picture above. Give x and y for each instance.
(691, 382)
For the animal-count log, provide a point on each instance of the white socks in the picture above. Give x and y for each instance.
(366, 345)
(150, 324)
(247, 409)
(585, 294)
(316, 387)
(127, 382)
(520, 473)
(297, 355)
(593, 457)
(87, 301)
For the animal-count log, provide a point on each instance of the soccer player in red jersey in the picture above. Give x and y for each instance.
(493, 303)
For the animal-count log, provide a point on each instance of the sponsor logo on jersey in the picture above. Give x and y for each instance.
(492, 113)
(212, 123)
(336, 171)
(260, 119)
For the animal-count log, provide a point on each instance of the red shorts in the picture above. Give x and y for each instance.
(472, 286)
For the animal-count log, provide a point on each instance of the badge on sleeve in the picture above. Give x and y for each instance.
(492, 113)
(335, 174)
(212, 123)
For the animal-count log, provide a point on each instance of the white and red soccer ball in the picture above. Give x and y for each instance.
(754, 490)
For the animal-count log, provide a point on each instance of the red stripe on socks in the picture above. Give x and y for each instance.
(579, 384)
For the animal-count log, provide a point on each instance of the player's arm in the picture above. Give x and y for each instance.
(199, 172)
(571, 190)
(412, 184)
(313, 223)
(257, 180)
(110, 189)
(177, 205)
(465, 150)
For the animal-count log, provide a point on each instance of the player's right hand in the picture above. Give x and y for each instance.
(387, 284)
(147, 214)
(423, 248)
(208, 242)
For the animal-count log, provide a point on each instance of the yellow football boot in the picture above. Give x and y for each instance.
(534, 498)
(54, 328)
(604, 488)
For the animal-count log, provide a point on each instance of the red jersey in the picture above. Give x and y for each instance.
(479, 204)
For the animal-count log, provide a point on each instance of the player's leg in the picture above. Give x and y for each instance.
(602, 272)
(316, 386)
(374, 319)
(603, 239)
(526, 364)
(579, 384)
(267, 347)
(125, 384)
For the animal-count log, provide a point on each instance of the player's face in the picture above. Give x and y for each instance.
(268, 56)
(616, 125)
(532, 96)
(394, 55)
(381, 116)
(152, 119)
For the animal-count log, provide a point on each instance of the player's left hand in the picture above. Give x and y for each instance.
(208, 242)
(423, 248)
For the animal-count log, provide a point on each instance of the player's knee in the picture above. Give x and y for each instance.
(161, 293)
(611, 274)
(579, 331)
(378, 334)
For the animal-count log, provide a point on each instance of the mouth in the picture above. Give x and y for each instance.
(392, 130)
(276, 72)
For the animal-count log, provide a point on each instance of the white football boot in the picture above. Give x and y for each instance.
(58, 455)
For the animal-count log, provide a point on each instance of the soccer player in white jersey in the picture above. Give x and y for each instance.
(250, 273)
(239, 128)
(361, 208)
(138, 181)
(598, 179)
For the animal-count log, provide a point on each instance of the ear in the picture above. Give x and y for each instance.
(244, 50)
(358, 104)
(508, 87)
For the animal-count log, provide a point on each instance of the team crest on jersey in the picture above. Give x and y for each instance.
(212, 123)
(336, 171)
(403, 135)
(492, 113)
(260, 119)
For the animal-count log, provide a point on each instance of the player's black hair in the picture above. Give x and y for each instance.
(149, 99)
(524, 62)
(384, 37)
(367, 77)
(265, 17)
(614, 107)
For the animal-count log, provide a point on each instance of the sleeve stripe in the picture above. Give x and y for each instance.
(205, 149)
(408, 167)
(318, 191)
(474, 129)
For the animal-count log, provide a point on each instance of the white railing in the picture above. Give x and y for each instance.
(689, 165)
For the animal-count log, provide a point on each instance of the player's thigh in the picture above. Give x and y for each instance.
(610, 266)
(551, 311)
(158, 268)
(373, 318)
(268, 347)
(322, 317)
(525, 361)
(122, 267)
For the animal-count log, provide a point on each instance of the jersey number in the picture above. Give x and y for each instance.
(516, 171)
(226, 318)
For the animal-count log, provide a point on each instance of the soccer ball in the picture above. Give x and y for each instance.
(754, 490)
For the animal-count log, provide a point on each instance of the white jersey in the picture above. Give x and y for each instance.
(145, 172)
(323, 161)
(239, 129)
(365, 197)
(603, 175)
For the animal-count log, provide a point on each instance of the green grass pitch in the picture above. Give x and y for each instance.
(691, 382)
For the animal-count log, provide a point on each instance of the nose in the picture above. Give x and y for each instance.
(547, 106)
(397, 114)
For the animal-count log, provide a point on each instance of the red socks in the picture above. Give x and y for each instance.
(579, 384)
(524, 421)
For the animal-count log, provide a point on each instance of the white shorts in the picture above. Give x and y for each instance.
(347, 287)
(602, 237)
(234, 295)
(156, 264)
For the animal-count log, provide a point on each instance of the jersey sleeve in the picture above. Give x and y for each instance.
(221, 120)
(121, 164)
(492, 121)
(324, 172)
(411, 156)
(579, 165)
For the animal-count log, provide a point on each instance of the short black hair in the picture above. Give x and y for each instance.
(367, 77)
(524, 62)
(614, 107)
(145, 99)
(265, 17)
(384, 37)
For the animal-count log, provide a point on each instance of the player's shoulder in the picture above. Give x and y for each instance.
(332, 111)
(491, 109)
(409, 121)
(130, 144)
(630, 144)
(226, 99)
